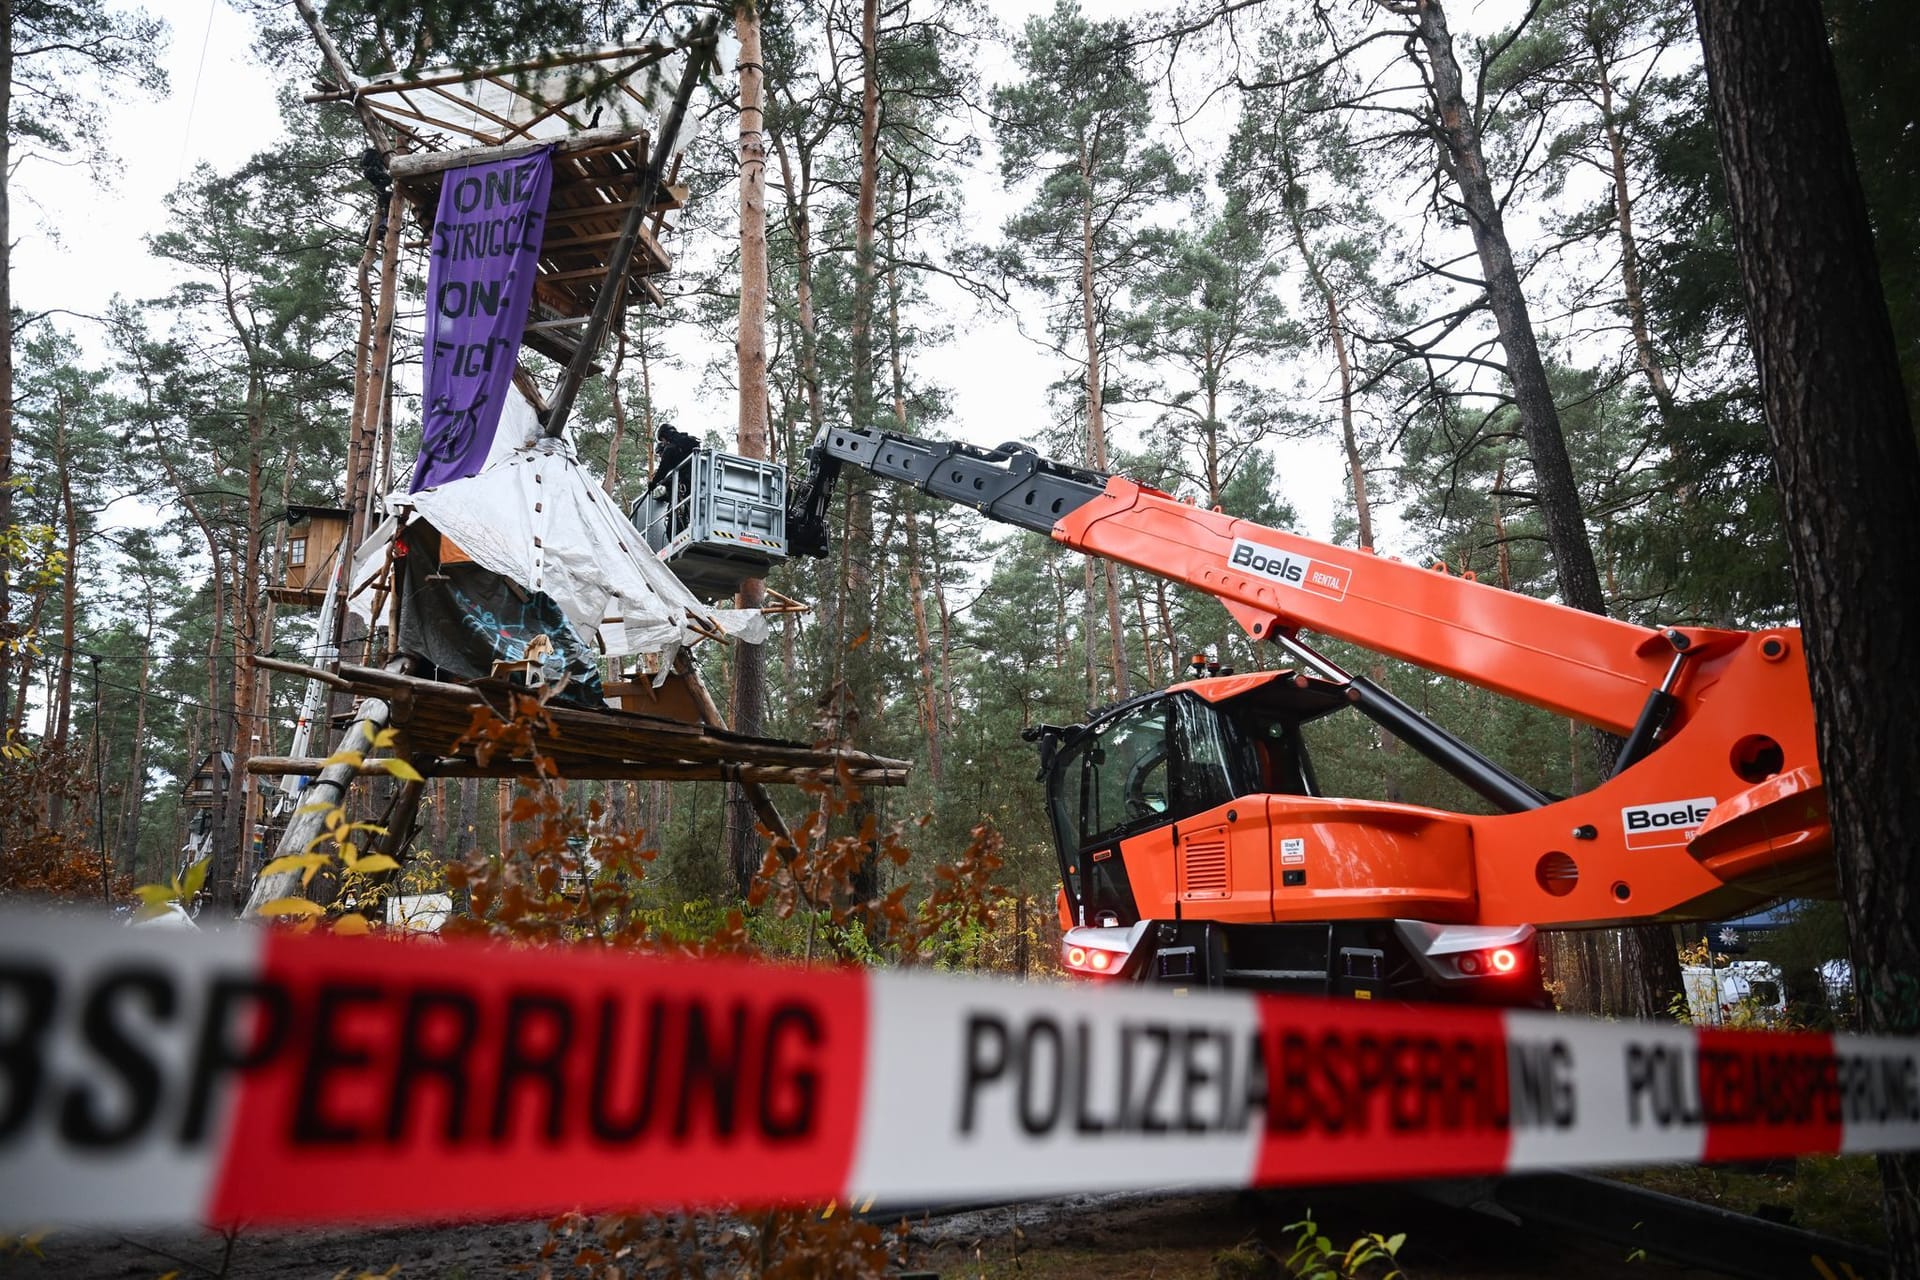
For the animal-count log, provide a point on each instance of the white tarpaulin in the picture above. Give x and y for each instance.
(536, 518)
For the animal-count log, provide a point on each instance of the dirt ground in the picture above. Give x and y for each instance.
(1229, 1235)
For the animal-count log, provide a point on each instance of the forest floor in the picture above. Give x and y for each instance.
(1162, 1236)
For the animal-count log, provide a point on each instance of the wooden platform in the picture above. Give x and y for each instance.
(596, 179)
(432, 716)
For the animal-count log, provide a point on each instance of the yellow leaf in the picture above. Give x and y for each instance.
(401, 769)
(386, 737)
(351, 925)
(343, 756)
(196, 876)
(375, 862)
(155, 895)
(292, 907)
(307, 862)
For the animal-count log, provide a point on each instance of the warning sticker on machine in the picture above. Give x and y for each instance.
(1293, 852)
(1665, 823)
(1291, 570)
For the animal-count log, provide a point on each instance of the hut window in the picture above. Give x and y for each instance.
(297, 551)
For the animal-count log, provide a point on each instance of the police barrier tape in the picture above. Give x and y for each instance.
(268, 1077)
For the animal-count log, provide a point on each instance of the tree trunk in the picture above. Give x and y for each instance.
(1097, 444)
(230, 873)
(136, 784)
(860, 550)
(1356, 471)
(927, 693)
(467, 834)
(946, 618)
(7, 634)
(1651, 960)
(1849, 475)
(1629, 246)
(1089, 631)
(861, 331)
(742, 842)
(60, 701)
(607, 480)
(800, 226)
(1462, 158)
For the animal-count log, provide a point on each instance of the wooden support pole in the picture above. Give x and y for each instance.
(327, 678)
(326, 792)
(379, 371)
(399, 832)
(349, 83)
(763, 806)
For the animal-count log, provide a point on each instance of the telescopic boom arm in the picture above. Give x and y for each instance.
(1708, 714)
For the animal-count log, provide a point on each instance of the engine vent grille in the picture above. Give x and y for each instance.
(1206, 866)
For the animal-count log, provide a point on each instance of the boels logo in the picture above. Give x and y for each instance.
(1670, 822)
(1290, 570)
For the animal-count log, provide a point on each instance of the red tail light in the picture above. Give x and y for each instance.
(1096, 961)
(1497, 963)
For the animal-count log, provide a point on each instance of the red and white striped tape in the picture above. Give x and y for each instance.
(261, 1076)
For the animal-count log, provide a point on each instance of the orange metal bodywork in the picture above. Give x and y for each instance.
(1765, 835)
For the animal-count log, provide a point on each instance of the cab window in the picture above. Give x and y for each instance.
(1129, 773)
(1118, 778)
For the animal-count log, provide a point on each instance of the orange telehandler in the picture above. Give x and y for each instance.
(1196, 847)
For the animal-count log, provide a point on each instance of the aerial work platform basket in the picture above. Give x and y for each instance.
(717, 518)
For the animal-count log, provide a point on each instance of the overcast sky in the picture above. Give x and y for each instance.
(82, 238)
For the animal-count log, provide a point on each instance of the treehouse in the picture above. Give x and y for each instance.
(599, 111)
(206, 787)
(315, 536)
(504, 575)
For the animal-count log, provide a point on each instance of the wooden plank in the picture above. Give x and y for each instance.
(592, 141)
(662, 771)
(436, 714)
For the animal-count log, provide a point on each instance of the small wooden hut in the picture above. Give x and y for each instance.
(315, 539)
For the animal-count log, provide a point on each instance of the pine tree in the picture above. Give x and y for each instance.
(1080, 120)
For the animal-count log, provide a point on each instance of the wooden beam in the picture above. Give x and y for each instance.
(892, 774)
(309, 820)
(651, 53)
(324, 676)
(351, 89)
(612, 209)
(590, 141)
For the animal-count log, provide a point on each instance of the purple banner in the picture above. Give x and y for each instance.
(486, 250)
